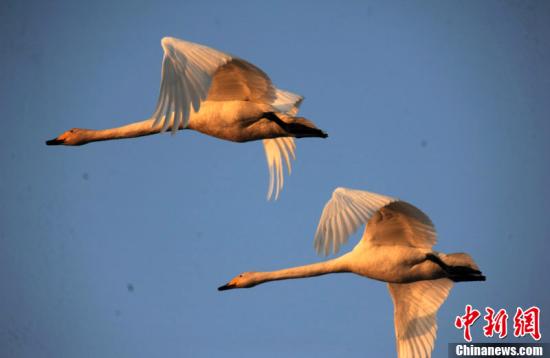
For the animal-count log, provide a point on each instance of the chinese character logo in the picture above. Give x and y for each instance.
(527, 322)
(496, 323)
(466, 321)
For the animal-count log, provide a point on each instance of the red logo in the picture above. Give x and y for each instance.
(496, 323)
(526, 322)
(466, 321)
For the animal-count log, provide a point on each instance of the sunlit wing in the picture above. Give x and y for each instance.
(275, 151)
(287, 102)
(282, 149)
(239, 80)
(400, 223)
(187, 71)
(192, 73)
(415, 309)
(343, 214)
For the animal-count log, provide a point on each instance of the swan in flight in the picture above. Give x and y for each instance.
(220, 95)
(396, 248)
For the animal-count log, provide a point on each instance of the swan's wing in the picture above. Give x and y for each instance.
(239, 80)
(287, 102)
(400, 223)
(275, 150)
(415, 308)
(187, 71)
(344, 213)
(278, 148)
(192, 73)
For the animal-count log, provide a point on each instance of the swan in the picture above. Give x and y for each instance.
(396, 248)
(220, 95)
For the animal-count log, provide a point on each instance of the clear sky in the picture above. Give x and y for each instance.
(116, 249)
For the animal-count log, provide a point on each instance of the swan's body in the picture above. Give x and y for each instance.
(220, 95)
(396, 248)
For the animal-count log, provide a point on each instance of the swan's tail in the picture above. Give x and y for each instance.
(461, 267)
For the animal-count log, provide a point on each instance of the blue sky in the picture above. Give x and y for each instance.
(116, 249)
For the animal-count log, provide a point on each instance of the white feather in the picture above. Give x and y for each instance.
(415, 309)
(187, 72)
(275, 149)
(343, 214)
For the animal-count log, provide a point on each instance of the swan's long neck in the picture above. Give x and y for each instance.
(336, 265)
(137, 129)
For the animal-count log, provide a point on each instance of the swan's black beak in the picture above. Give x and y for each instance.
(227, 287)
(55, 141)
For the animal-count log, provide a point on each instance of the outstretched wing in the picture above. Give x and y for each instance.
(287, 102)
(187, 71)
(415, 309)
(400, 223)
(239, 80)
(192, 73)
(275, 150)
(344, 213)
(278, 148)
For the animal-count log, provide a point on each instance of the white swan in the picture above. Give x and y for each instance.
(219, 95)
(396, 248)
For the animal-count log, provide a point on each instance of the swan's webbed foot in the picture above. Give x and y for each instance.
(299, 128)
(457, 273)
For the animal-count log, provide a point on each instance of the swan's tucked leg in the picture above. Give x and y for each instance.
(459, 267)
(298, 127)
(434, 258)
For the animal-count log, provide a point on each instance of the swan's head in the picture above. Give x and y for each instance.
(244, 280)
(75, 136)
